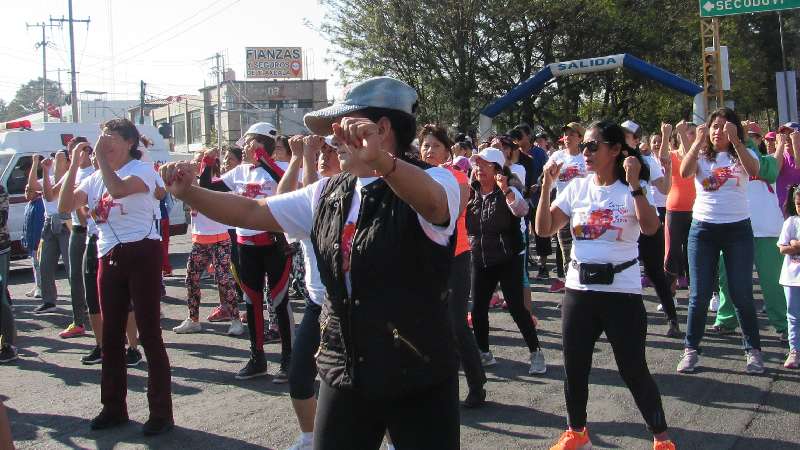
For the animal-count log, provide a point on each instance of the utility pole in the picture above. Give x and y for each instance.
(70, 20)
(58, 71)
(142, 86)
(785, 71)
(218, 71)
(43, 44)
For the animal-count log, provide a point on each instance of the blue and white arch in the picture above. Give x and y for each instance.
(534, 85)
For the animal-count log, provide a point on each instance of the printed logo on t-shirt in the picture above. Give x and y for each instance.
(794, 260)
(256, 190)
(103, 209)
(348, 233)
(570, 172)
(596, 223)
(719, 177)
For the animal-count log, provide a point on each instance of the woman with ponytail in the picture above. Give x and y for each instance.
(606, 212)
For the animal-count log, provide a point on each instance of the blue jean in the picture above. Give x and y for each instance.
(793, 315)
(735, 241)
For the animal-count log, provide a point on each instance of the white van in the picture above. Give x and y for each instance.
(18, 144)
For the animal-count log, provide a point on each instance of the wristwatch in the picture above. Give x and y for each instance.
(637, 192)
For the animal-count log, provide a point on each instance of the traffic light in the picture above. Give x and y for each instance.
(710, 73)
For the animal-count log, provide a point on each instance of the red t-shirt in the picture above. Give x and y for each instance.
(681, 196)
(462, 243)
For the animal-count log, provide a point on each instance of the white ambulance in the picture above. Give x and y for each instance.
(19, 142)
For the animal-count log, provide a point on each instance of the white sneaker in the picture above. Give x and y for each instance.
(236, 328)
(188, 326)
(302, 443)
(538, 365)
(713, 305)
(487, 359)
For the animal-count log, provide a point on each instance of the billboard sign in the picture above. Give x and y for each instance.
(274, 62)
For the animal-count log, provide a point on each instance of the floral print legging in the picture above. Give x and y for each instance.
(218, 254)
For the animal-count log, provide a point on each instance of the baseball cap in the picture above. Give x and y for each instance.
(329, 140)
(262, 128)
(754, 128)
(789, 127)
(377, 92)
(631, 127)
(489, 154)
(574, 126)
(770, 136)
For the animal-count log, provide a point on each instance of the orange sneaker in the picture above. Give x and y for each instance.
(663, 445)
(573, 440)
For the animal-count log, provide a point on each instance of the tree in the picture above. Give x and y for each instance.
(461, 56)
(27, 99)
(3, 110)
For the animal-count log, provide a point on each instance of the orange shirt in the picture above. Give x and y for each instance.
(462, 242)
(681, 196)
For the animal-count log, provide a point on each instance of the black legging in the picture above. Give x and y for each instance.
(428, 419)
(676, 262)
(484, 280)
(651, 253)
(458, 302)
(235, 263)
(584, 316)
(256, 261)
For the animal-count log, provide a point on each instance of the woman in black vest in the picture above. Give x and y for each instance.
(382, 234)
(495, 236)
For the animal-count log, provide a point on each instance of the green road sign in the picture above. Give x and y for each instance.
(716, 8)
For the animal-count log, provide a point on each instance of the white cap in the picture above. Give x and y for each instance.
(489, 154)
(329, 141)
(262, 128)
(630, 126)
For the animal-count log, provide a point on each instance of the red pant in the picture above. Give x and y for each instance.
(166, 267)
(130, 273)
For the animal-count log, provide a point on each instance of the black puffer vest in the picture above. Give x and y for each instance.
(392, 335)
(492, 229)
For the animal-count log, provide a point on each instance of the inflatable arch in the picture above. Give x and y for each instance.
(534, 85)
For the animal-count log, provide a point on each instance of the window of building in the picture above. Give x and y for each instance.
(195, 130)
(179, 129)
(275, 104)
(308, 104)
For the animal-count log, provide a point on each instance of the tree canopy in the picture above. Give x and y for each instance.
(26, 101)
(462, 55)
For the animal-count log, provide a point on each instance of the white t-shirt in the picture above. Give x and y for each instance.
(82, 174)
(204, 226)
(790, 272)
(294, 211)
(572, 167)
(519, 171)
(721, 189)
(50, 208)
(656, 173)
(604, 230)
(765, 214)
(127, 219)
(252, 182)
(314, 286)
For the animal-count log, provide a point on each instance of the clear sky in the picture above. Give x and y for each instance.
(165, 43)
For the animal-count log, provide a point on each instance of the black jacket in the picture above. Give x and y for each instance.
(493, 230)
(392, 335)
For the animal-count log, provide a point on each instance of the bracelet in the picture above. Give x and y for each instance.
(391, 171)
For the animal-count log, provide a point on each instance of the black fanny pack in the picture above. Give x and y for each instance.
(589, 273)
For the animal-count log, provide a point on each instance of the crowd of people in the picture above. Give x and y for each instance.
(351, 216)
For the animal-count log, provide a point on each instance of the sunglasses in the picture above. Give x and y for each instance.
(592, 146)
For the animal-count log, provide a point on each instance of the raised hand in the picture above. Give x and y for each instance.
(732, 132)
(178, 177)
(632, 168)
(701, 136)
(361, 137)
(297, 145)
(551, 171)
(502, 182)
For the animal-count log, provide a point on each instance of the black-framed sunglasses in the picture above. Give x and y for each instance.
(592, 146)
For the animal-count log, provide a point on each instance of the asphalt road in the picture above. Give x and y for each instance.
(51, 397)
